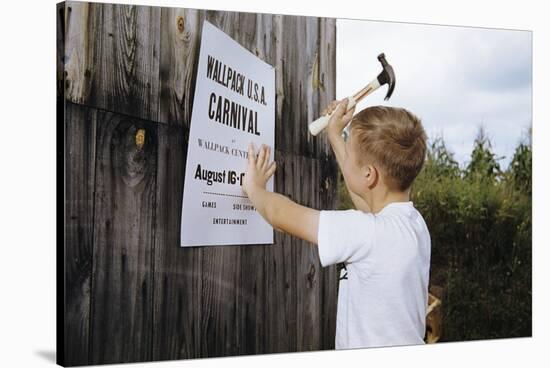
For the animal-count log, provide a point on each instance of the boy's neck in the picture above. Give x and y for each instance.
(382, 197)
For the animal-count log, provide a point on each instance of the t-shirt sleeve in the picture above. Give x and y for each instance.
(344, 236)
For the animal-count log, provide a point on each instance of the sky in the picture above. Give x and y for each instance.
(454, 78)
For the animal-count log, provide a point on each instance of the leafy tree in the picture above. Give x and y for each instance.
(440, 161)
(520, 169)
(484, 163)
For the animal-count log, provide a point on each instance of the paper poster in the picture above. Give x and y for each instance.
(234, 105)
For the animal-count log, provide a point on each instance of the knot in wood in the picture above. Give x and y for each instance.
(132, 156)
(140, 138)
(180, 24)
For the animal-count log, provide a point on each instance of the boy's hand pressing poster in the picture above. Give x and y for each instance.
(234, 105)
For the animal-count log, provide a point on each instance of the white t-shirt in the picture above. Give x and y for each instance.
(383, 301)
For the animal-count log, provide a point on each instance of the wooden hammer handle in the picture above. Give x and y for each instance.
(371, 87)
(318, 125)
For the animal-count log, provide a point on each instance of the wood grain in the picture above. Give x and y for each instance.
(251, 294)
(308, 326)
(178, 280)
(134, 294)
(180, 31)
(80, 155)
(82, 26)
(299, 96)
(124, 233)
(61, 233)
(112, 57)
(280, 274)
(324, 81)
(328, 200)
(178, 308)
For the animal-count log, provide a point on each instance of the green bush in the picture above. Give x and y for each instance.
(479, 219)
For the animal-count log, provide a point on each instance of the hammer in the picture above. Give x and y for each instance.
(386, 76)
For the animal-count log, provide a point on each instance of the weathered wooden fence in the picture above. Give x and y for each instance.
(131, 293)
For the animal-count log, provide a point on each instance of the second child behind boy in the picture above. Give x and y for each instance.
(384, 242)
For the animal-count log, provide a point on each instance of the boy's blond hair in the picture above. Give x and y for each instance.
(392, 139)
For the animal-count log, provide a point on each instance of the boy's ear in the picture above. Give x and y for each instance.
(371, 176)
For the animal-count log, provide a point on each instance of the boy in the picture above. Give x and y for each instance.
(384, 243)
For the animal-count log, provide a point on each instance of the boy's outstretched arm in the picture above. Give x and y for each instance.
(282, 213)
(337, 123)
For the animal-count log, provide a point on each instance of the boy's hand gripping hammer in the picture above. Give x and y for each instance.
(385, 77)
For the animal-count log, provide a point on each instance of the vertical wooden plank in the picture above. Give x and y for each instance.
(300, 102)
(128, 70)
(315, 272)
(299, 107)
(287, 136)
(80, 152)
(280, 127)
(311, 65)
(266, 38)
(291, 119)
(329, 289)
(112, 57)
(179, 52)
(280, 261)
(325, 76)
(124, 234)
(221, 272)
(280, 275)
(60, 312)
(325, 84)
(83, 24)
(251, 303)
(178, 271)
(177, 316)
(308, 323)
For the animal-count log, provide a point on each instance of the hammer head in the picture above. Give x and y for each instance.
(387, 76)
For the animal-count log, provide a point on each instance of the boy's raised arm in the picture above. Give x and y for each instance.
(282, 213)
(337, 123)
